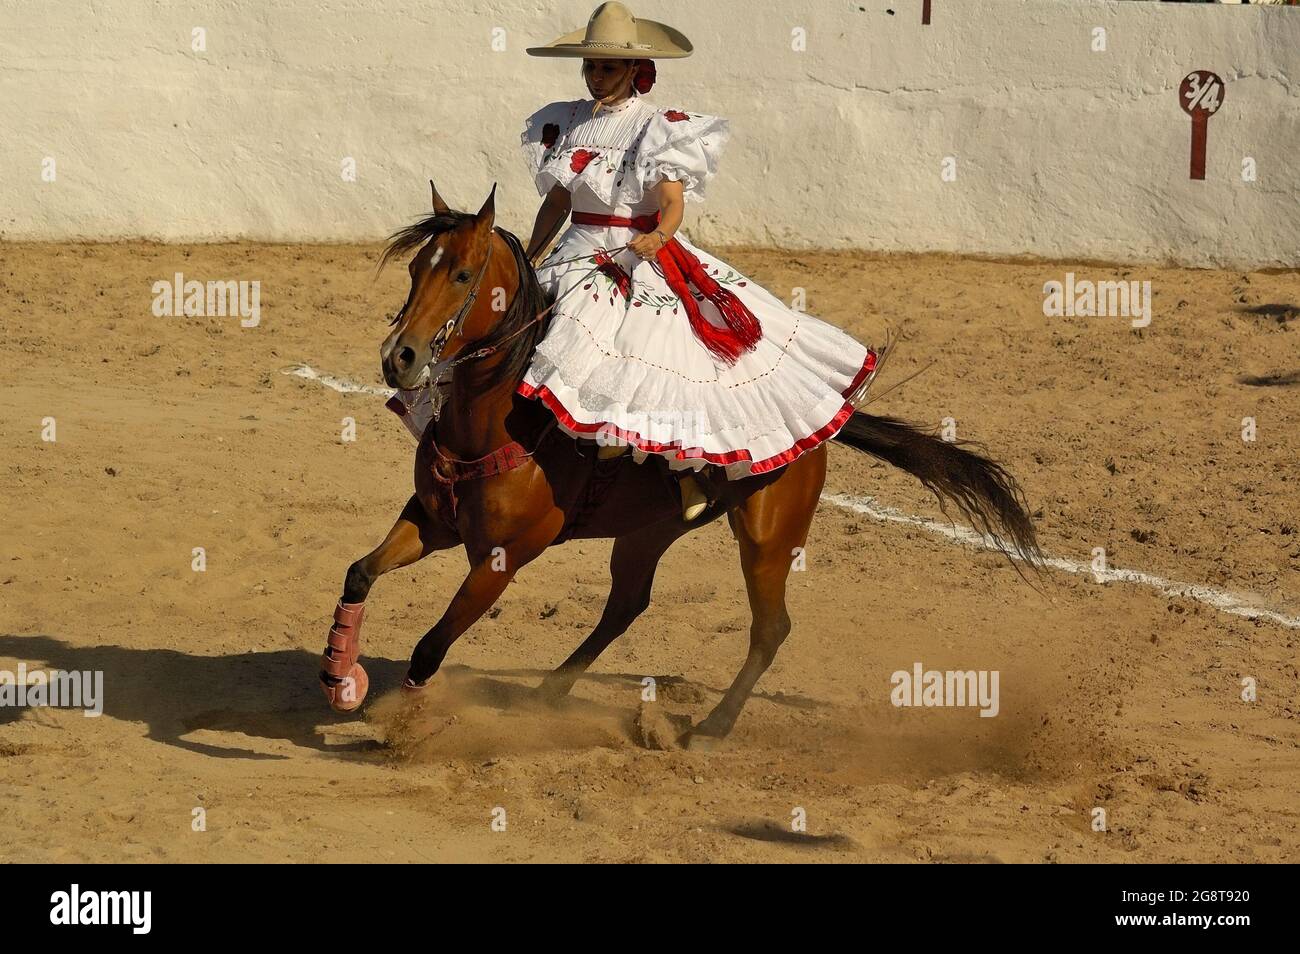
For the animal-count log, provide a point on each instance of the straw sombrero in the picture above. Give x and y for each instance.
(613, 33)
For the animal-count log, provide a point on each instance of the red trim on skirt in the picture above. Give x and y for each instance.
(828, 430)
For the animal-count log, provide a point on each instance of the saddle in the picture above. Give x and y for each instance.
(599, 475)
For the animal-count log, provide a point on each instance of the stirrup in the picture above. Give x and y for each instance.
(694, 500)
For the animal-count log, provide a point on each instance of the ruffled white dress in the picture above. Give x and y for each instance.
(628, 367)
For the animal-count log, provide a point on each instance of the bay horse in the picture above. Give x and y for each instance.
(494, 475)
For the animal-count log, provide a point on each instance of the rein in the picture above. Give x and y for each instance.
(492, 349)
(447, 470)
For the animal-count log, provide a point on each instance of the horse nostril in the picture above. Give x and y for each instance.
(404, 358)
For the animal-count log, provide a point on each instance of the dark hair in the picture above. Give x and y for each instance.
(528, 302)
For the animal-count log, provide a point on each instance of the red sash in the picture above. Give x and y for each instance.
(681, 269)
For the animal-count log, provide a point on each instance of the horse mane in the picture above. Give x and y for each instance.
(529, 300)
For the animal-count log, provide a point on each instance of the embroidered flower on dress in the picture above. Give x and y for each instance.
(619, 279)
(669, 144)
(581, 158)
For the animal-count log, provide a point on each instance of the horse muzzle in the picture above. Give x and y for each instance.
(406, 365)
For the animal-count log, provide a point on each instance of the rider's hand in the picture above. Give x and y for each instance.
(647, 245)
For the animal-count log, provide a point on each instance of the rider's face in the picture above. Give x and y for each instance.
(607, 79)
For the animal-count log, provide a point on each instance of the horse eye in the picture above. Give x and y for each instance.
(462, 277)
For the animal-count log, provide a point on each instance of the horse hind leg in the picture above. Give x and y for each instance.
(414, 536)
(632, 568)
(770, 526)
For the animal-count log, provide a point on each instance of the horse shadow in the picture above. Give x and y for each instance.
(268, 695)
(265, 695)
(1279, 379)
(1279, 312)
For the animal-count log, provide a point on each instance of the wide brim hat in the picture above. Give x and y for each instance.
(614, 33)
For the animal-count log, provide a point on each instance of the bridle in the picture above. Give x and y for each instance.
(452, 325)
(448, 470)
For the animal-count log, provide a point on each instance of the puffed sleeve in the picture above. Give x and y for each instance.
(683, 147)
(541, 131)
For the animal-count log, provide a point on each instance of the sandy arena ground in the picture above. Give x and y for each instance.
(176, 433)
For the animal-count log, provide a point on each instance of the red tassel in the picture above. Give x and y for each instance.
(739, 319)
(620, 278)
(741, 331)
(721, 342)
(611, 268)
(744, 329)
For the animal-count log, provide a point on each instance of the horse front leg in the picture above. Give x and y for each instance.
(491, 570)
(414, 536)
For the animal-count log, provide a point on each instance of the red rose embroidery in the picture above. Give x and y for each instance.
(621, 279)
(581, 158)
(550, 133)
(675, 116)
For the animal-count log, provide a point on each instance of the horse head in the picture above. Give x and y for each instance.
(440, 320)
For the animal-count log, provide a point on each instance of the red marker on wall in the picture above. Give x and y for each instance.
(1200, 94)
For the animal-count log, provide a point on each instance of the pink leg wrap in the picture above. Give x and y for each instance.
(344, 681)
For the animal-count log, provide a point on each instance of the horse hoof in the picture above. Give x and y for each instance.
(694, 742)
(553, 695)
(348, 694)
(414, 690)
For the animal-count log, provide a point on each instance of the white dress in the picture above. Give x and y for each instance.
(620, 361)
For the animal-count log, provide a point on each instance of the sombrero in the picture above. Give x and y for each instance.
(613, 33)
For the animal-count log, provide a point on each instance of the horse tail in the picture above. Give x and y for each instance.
(981, 489)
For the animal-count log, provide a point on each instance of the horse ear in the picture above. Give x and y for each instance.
(438, 204)
(489, 210)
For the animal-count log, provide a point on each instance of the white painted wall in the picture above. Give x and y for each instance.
(1060, 151)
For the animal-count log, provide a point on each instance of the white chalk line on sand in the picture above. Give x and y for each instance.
(1232, 603)
(342, 385)
(1221, 600)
